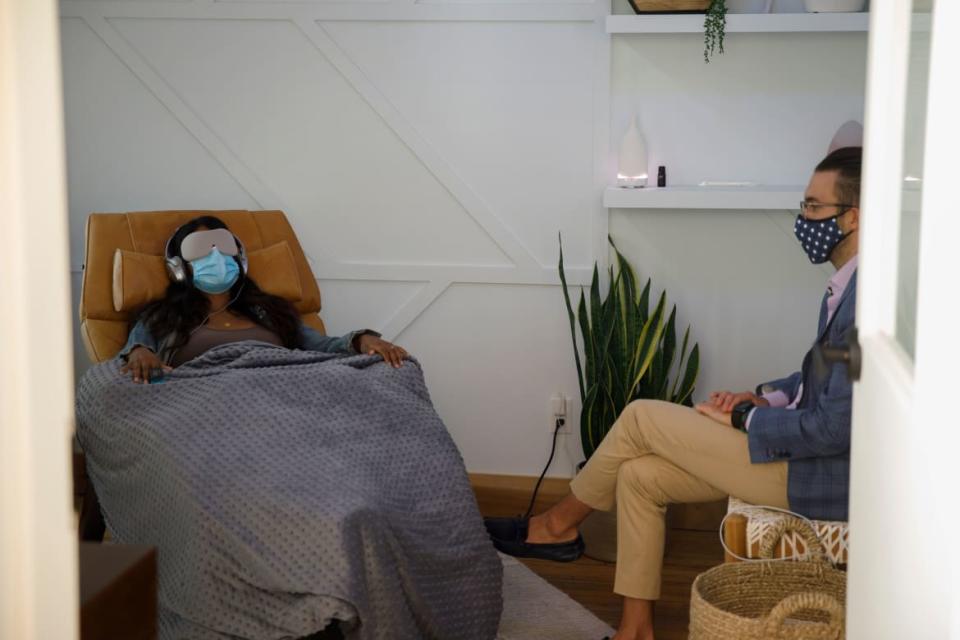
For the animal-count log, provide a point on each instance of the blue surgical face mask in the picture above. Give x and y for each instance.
(214, 272)
(819, 237)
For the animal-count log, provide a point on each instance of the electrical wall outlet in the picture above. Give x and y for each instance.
(558, 411)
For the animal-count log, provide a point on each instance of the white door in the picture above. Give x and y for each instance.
(904, 489)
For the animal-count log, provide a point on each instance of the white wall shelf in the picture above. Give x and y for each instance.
(741, 23)
(694, 197)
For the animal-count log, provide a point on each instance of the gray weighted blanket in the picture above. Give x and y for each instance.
(286, 488)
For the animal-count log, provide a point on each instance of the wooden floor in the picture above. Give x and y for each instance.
(590, 582)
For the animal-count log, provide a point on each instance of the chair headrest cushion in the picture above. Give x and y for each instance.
(140, 278)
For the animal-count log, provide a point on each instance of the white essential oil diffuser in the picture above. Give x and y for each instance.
(632, 170)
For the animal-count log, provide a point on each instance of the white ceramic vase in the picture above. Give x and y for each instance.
(850, 134)
(834, 6)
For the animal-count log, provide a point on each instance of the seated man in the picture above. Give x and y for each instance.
(789, 446)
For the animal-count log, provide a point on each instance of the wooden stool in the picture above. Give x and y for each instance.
(118, 592)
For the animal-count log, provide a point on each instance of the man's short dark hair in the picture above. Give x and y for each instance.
(847, 162)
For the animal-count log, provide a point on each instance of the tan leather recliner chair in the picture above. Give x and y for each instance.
(104, 329)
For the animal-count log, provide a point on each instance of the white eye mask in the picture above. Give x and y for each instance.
(199, 243)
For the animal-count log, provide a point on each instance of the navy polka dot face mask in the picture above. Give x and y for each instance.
(818, 237)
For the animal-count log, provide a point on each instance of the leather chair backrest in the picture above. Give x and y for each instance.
(104, 330)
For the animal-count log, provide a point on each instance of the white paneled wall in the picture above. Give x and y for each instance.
(763, 112)
(428, 153)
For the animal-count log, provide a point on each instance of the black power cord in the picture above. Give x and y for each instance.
(553, 450)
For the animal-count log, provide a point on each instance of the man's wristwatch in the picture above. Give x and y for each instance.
(738, 417)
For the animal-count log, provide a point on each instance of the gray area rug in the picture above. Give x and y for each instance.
(533, 609)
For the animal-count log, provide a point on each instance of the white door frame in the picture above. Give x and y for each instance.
(938, 343)
(903, 562)
(38, 539)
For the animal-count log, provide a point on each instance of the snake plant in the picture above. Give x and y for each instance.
(628, 352)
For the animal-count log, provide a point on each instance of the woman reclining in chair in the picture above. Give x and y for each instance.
(211, 301)
(287, 479)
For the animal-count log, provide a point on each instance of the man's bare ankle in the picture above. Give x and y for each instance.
(543, 529)
(557, 530)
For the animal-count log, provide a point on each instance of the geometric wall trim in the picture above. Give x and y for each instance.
(522, 267)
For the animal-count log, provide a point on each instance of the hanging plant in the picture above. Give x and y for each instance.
(714, 26)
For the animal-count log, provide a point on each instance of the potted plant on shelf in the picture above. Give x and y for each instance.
(715, 19)
(628, 354)
(669, 6)
(715, 22)
(714, 29)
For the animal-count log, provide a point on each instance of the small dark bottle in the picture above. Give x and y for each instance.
(662, 176)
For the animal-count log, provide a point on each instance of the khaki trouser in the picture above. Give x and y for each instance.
(658, 453)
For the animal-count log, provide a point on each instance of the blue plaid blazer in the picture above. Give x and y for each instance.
(815, 437)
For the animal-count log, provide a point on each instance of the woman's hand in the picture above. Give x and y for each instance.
(141, 363)
(725, 401)
(392, 354)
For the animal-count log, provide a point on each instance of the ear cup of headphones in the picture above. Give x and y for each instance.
(176, 269)
(242, 258)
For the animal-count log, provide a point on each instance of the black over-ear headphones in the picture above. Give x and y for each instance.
(176, 268)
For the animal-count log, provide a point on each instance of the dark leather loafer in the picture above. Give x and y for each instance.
(509, 536)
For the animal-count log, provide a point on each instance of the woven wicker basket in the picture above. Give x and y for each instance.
(771, 599)
(670, 6)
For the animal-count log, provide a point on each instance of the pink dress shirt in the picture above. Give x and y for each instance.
(835, 288)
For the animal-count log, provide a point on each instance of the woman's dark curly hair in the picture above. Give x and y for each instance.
(184, 308)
